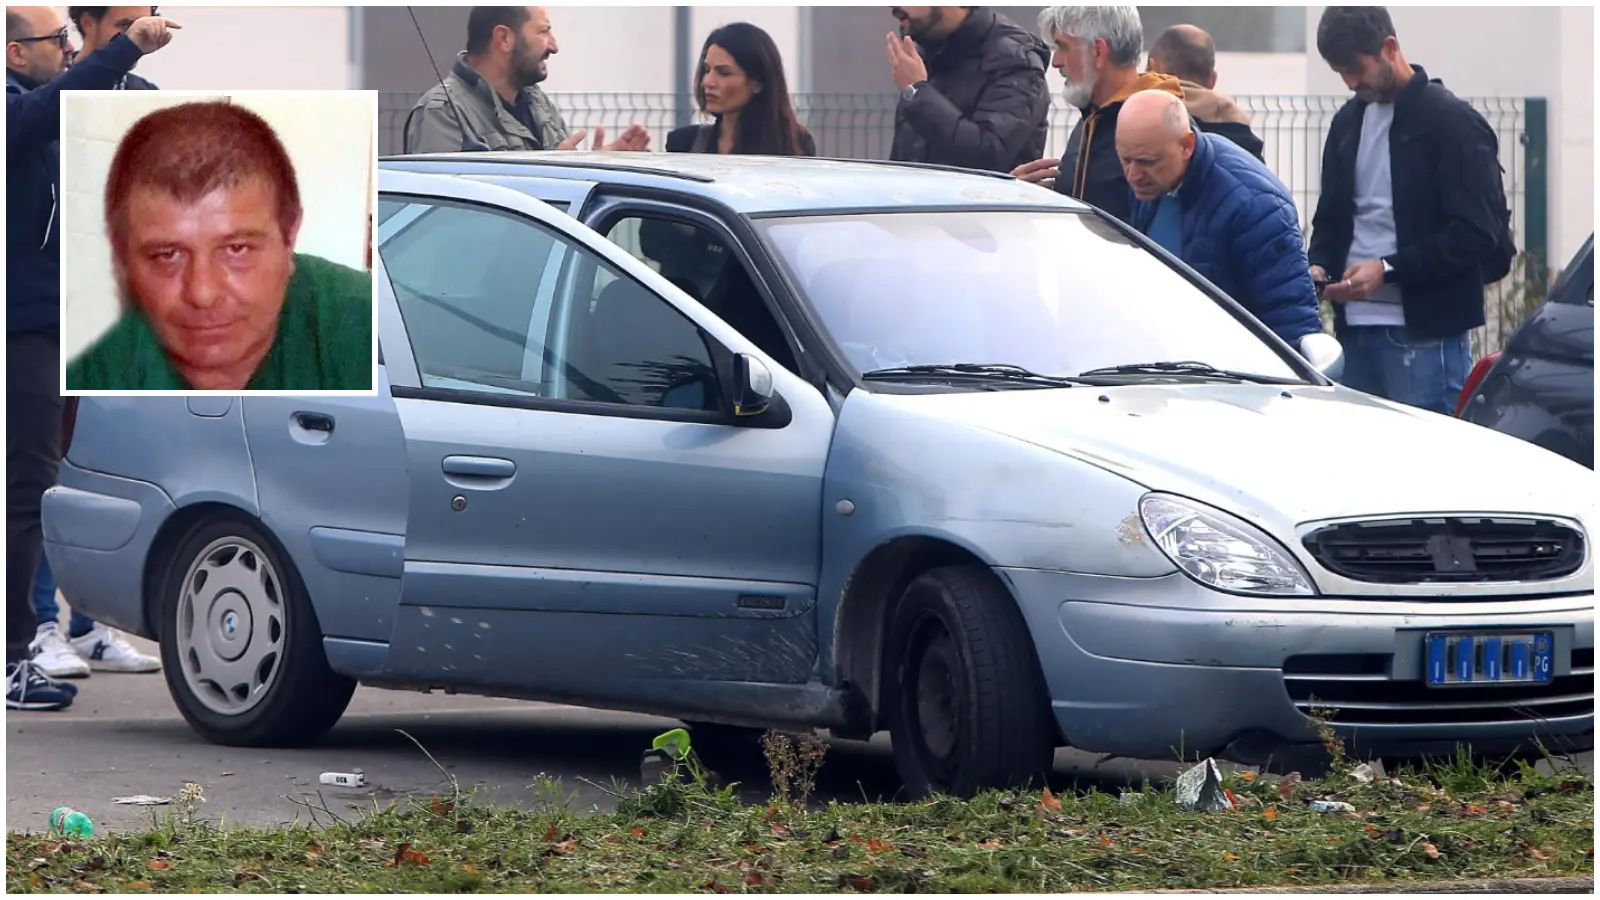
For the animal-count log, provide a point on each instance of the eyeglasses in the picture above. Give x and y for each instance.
(62, 38)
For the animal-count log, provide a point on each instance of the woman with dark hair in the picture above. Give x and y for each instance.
(740, 84)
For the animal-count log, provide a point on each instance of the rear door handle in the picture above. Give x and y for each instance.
(312, 421)
(479, 467)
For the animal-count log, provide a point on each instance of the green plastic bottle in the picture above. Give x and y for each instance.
(68, 822)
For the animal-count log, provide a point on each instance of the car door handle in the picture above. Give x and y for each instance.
(479, 467)
(311, 421)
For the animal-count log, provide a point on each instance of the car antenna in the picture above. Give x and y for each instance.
(468, 141)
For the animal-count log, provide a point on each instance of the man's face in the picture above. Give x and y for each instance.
(922, 23)
(1074, 58)
(98, 32)
(46, 50)
(536, 43)
(1153, 158)
(1372, 78)
(210, 276)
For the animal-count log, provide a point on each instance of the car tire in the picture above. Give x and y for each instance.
(967, 705)
(240, 644)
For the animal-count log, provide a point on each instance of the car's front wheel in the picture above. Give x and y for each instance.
(968, 709)
(240, 644)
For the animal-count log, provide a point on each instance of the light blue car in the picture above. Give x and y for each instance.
(809, 443)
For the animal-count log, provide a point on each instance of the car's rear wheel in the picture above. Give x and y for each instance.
(967, 705)
(240, 644)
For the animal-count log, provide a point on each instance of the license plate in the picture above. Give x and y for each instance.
(1485, 658)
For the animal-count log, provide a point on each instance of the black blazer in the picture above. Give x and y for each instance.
(684, 140)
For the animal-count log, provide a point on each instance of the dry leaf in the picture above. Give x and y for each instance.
(1105, 842)
(158, 865)
(565, 847)
(442, 808)
(1048, 801)
(139, 885)
(1537, 854)
(1474, 809)
(244, 875)
(990, 844)
(753, 878)
(877, 846)
(1230, 857)
(1247, 776)
(1271, 814)
(780, 830)
(552, 832)
(1287, 786)
(719, 888)
(1431, 850)
(855, 882)
(638, 832)
(469, 868)
(403, 854)
(612, 839)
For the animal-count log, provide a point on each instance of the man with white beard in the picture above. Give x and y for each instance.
(1097, 49)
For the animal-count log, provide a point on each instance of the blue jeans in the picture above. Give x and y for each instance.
(1387, 362)
(46, 607)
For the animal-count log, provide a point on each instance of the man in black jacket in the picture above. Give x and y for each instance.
(972, 88)
(97, 25)
(1412, 219)
(37, 45)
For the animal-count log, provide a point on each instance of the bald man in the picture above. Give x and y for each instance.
(38, 49)
(1187, 53)
(1218, 209)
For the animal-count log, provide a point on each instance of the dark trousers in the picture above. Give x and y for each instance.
(33, 451)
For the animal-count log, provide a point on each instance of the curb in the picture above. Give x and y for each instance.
(1577, 884)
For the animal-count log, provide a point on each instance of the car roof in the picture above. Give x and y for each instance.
(756, 185)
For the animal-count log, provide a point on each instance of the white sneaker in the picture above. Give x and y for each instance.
(53, 656)
(108, 651)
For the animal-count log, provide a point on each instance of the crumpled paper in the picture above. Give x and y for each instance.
(142, 800)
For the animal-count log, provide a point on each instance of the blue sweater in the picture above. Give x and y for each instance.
(33, 183)
(1240, 232)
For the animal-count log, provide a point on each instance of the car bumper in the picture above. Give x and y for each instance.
(98, 531)
(1187, 676)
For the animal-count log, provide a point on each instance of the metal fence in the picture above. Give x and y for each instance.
(861, 126)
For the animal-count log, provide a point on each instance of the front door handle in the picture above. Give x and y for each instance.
(312, 421)
(479, 467)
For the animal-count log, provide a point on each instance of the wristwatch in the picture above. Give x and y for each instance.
(1388, 273)
(911, 92)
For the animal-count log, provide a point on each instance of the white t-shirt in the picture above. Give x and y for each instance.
(1374, 236)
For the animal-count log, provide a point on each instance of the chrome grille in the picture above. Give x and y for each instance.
(1358, 690)
(1448, 549)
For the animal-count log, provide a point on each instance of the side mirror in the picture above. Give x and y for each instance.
(1325, 354)
(752, 386)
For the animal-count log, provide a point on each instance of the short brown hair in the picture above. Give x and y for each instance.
(1186, 53)
(189, 150)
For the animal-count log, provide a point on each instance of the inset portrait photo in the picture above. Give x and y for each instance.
(218, 242)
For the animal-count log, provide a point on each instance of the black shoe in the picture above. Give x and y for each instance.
(27, 688)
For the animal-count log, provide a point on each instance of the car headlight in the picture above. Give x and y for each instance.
(1221, 551)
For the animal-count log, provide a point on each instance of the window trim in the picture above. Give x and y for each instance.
(589, 259)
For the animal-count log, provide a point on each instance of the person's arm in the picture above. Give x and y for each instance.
(1469, 175)
(1268, 259)
(34, 117)
(434, 128)
(1012, 103)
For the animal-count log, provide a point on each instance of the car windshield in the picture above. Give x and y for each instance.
(1054, 293)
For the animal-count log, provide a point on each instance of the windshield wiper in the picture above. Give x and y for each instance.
(1187, 367)
(1002, 372)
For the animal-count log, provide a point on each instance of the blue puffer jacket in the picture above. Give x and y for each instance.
(1241, 233)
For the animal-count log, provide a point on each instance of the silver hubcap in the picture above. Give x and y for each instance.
(231, 626)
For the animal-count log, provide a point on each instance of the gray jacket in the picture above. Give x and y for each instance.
(433, 125)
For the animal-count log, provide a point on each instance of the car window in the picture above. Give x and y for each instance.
(1058, 293)
(499, 303)
(700, 263)
(1575, 284)
(475, 286)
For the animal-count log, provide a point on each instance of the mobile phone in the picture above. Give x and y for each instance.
(1321, 283)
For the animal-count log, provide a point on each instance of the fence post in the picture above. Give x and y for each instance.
(1535, 183)
(682, 60)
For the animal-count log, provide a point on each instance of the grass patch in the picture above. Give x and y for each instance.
(1446, 822)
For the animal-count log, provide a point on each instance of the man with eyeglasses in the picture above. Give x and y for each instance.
(38, 51)
(97, 25)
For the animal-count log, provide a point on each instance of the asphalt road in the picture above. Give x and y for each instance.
(124, 736)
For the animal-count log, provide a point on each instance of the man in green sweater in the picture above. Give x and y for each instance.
(202, 207)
